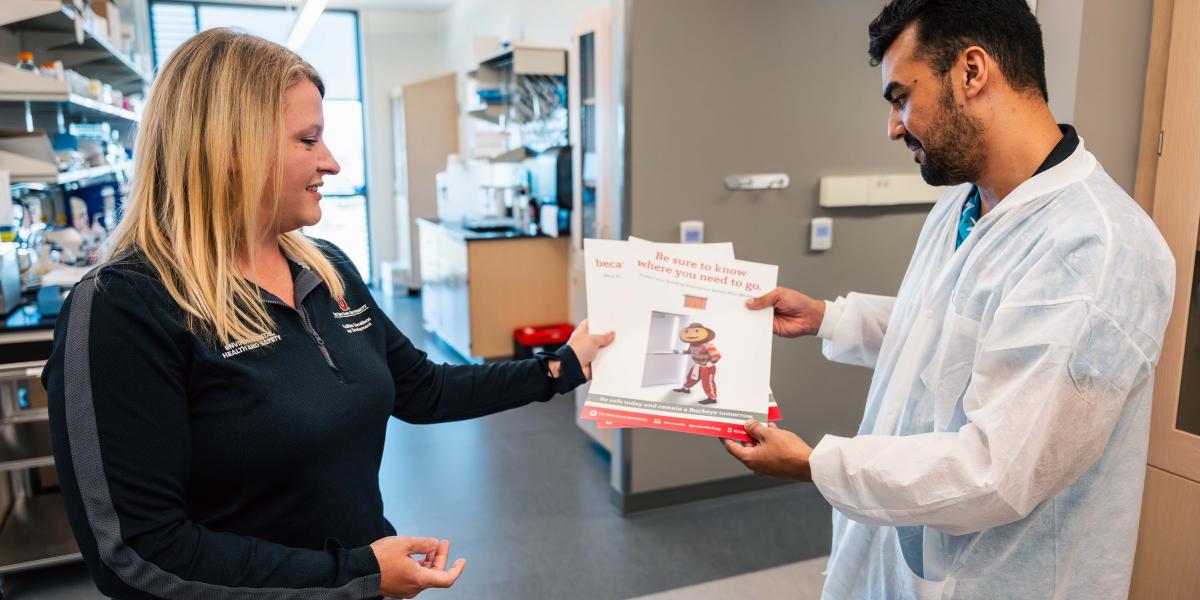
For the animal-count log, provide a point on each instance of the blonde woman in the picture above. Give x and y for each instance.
(220, 388)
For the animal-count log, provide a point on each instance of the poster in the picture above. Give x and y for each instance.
(688, 355)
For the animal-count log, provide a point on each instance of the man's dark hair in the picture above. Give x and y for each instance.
(1006, 29)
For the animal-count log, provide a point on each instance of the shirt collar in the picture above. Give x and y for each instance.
(304, 281)
(1065, 147)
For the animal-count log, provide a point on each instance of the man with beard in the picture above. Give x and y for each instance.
(1003, 443)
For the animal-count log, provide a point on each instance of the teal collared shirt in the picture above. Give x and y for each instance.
(970, 216)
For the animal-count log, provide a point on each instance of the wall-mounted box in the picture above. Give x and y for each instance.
(877, 190)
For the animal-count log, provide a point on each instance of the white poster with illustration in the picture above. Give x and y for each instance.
(688, 355)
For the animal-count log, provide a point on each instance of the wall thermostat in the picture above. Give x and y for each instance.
(822, 234)
(691, 232)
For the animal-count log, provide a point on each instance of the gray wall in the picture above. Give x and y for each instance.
(718, 87)
(1062, 31)
(1096, 54)
(1113, 52)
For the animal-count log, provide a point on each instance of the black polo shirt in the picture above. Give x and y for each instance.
(194, 470)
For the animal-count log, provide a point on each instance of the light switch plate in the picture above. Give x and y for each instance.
(821, 237)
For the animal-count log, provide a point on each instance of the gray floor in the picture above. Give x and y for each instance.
(799, 581)
(524, 497)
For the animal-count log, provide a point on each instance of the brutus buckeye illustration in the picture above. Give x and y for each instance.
(704, 361)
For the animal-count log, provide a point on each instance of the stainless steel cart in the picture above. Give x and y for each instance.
(34, 531)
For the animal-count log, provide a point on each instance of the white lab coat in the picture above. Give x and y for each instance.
(1003, 445)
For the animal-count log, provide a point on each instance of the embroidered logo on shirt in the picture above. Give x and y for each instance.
(346, 312)
(358, 326)
(237, 347)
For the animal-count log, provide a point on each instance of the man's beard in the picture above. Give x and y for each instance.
(953, 154)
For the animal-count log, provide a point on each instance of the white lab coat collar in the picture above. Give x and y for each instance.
(1073, 169)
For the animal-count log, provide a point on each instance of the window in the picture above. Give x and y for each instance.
(332, 48)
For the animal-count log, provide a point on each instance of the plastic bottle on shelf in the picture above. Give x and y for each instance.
(25, 62)
(54, 70)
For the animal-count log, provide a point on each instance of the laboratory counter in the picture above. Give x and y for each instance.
(459, 230)
(477, 286)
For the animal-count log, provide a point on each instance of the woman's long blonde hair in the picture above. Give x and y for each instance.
(209, 147)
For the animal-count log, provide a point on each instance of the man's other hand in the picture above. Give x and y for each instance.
(795, 314)
(773, 452)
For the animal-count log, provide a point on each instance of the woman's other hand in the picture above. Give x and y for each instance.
(404, 576)
(587, 345)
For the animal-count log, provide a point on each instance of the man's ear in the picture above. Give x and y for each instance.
(975, 68)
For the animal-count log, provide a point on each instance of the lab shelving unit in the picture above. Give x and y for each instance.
(78, 176)
(520, 94)
(53, 30)
(34, 531)
(63, 32)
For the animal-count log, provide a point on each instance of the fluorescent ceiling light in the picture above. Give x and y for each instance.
(309, 13)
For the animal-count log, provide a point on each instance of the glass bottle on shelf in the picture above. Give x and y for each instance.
(25, 62)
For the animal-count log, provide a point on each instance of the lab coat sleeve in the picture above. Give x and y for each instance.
(853, 328)
(1048, 383)
(123, 451)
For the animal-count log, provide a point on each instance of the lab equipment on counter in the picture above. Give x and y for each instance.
(522, 215)
(10, 278)
(502, 191)
(50, 299)
(550, 188)
(70, 243)
(460, 188)
(486, 196)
